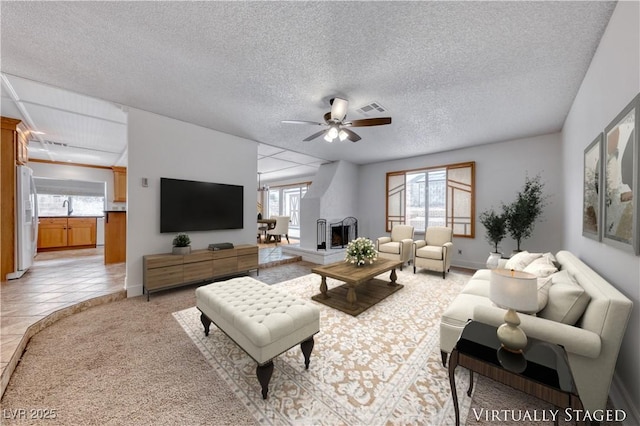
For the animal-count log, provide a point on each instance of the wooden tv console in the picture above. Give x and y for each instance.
(163, 271)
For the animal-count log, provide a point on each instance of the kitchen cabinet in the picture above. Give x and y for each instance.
(115, 237)
(119, 184)
(81, 231)
(52, 233)
(22, 151)
(8, 195)
(59, 233)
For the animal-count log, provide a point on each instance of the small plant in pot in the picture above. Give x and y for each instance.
(181, 244)
(496, 227)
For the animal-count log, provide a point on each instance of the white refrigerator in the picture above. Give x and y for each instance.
(26, 221)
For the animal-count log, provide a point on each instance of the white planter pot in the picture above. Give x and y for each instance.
(181, 250)
(493, 260)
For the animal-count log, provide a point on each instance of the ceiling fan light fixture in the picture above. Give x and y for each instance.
(328, 138)
(338, 108)
(343, 135)
(333, 132)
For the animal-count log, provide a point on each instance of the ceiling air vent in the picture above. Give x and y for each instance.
(48, 142)
(374, 108)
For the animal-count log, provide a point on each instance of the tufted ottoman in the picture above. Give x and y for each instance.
(259, 318)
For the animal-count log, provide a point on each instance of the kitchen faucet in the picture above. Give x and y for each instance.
(67, 203)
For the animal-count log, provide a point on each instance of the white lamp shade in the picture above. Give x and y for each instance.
(343, 135)
(333, 132)
(514, 289)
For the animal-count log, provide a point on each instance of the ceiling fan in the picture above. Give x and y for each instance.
(335, 124)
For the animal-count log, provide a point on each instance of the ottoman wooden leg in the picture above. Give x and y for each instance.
(307, 347)
(206, 322)
(264, 373)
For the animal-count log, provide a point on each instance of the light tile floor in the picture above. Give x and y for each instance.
(61, 283)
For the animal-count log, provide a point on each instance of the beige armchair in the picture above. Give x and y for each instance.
(281, 228)
(398, 246)
(434, 252)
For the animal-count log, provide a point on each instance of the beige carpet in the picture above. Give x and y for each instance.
(381, 367)
(131, 363)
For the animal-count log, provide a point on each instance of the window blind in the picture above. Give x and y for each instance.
(70, 187)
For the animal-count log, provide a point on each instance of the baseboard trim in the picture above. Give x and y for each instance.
(620, 399)
(135, 291)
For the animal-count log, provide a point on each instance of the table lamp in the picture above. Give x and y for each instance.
(514, 291)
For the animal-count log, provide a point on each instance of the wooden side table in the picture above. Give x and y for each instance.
(541, 371)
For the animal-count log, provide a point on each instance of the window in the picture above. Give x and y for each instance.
(59, 197)
(285, 201)
(435, 196)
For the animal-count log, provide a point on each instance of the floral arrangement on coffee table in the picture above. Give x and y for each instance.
(361, 251)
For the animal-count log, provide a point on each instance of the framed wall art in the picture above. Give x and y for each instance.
(621, 156)
(592, 190)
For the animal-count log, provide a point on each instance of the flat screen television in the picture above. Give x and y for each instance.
(187, 205)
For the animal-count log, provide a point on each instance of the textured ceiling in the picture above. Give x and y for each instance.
(451, 74)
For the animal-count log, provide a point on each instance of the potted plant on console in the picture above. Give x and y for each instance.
(181, 244)
(496, 227)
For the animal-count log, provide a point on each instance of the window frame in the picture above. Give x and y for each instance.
(450, 186)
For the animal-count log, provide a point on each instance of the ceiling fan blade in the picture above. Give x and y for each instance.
(315, 135)
(302, 122)
(339, 109)
(352, 136)
(369, 122)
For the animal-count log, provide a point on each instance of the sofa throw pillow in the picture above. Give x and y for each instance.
(544, 284)
(567, 300)
(553, 259)
(542, 267)
(521, 260)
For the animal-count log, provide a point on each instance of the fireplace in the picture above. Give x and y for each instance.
(339, 233)
(342, 232)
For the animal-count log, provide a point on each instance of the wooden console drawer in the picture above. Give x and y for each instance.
(162, 260)
(162, 271)
(197, 271)
(247, 250)
(198, 256)
(225, 266)
(163, 277)
(246, 263)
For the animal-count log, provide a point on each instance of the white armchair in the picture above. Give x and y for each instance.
(281, 228)
(434, 252)
(398, 246)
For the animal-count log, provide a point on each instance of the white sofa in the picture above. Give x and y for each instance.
(592, 343)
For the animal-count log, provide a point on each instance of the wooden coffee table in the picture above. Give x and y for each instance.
(345, 297)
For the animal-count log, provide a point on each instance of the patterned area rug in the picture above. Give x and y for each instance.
(381, 367)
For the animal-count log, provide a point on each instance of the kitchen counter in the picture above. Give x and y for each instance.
(73, 215)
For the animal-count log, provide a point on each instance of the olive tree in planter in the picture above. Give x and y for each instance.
(181, 244)
(496, 229)
(522, 214)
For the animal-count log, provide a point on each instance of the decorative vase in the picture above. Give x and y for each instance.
(181, 250)
(493, 260)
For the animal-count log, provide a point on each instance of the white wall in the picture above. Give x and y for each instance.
(164, 147)
(332, 196)
(613, 79)
(501, 169)
(61, 171)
